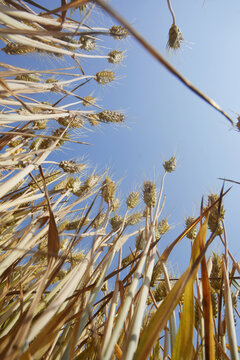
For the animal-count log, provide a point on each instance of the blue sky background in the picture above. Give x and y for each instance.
(163, 118)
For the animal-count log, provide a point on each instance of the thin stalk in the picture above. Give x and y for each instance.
(172, 321)
(157, 212)
(171, 11)
(17, 202)
(136, 323)
(41, 136)
(201, 319)
(110, 320)
(229, 316)
(127, 302)
(91, 301)
(228, 303)
(166, 343)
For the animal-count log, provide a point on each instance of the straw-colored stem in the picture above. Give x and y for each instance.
(127, 303)
(110, 320)
(136, 323)
(171, 11)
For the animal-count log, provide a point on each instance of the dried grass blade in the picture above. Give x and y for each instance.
(228, 347)
(169, 249)
(160, 318)
(22, 200)
(64, 12)
(68, 6)
(83, 321)
(183, 346)
(113, 306)
(28, 16)
(18, 339)
(209, 344)
(39, 136)
(27, 241)
(6, 87)
(53, 237)
(118, 352)
(36, 5)
(48, 333)
(135, 325)
(127, 301)
(236, 284)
